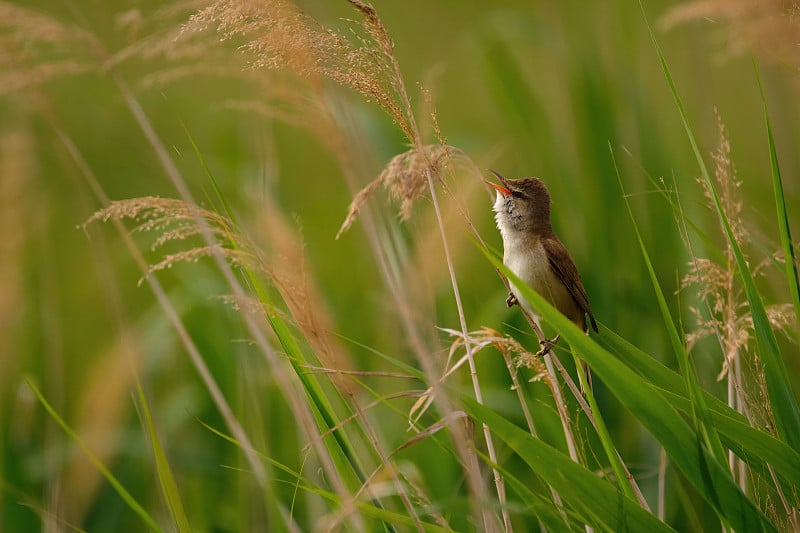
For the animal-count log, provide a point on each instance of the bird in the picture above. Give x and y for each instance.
(533, 252)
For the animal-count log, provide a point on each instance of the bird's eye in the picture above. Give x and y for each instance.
(516, 194)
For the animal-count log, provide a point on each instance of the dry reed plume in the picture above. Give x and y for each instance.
(36, 48)
(156, 38)
(405, 178)
(509, 347)
(275, 35)
(727, 315)
(770, 27)
(175, 220)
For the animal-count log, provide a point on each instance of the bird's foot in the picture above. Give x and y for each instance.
(547, 345)
(511, 301)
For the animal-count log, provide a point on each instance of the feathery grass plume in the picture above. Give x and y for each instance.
(727, 316)
(158, 35)
(522, 358)
(36, 48)
(405, 178)
(478, 340)
(278, 35)
(771, 27)
(174, 220)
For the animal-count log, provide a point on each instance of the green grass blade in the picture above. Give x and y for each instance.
(781, 396)
(699, 411)
(342, 451)
(169, 488)
(304, 484)
(210, 175)
(685, 447)
(594, 500)
(540, 505)
(605, 437)
(790, 261)
(126, 496)
(754, 446)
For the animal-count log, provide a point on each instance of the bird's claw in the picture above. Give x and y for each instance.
(547, 345)
(511, 301)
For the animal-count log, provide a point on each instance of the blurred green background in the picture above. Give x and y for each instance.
(526, 88)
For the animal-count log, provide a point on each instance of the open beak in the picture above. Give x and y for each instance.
(503, 189)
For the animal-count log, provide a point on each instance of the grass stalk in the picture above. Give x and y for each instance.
(781, 397)
(476, 387)
(700, 415)
(789, 259)
(526, 412)
(169, 487)
(126, 496)
(416, 139)
(298, 406)
(171, 313)
(389, 467)
(624, 479)
(555, 389)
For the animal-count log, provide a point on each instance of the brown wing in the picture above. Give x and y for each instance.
(565, 269)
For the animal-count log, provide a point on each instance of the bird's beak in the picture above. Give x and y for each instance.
(503, 189)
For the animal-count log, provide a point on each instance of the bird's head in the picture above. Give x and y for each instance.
(522, 204)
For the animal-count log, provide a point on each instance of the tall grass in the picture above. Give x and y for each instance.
(295, 364)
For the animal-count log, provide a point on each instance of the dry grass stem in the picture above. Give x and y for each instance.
(158, 290)
(103, 401)
(359, 373)
(374, 403)
(157, 34)
(290, 272)
(395, 486)
(34, 28)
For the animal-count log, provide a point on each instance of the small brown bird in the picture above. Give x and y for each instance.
(534, 253)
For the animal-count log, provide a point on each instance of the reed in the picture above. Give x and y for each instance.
(283, 306)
